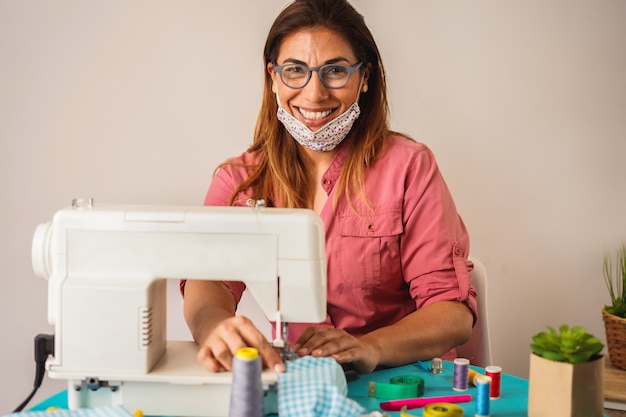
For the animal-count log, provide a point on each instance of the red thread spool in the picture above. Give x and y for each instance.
(495, 372)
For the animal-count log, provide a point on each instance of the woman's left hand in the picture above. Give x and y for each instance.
(347, 350)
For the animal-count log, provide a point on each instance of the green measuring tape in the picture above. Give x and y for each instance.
(403, 386)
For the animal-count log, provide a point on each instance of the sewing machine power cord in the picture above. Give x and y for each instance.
(44, 347)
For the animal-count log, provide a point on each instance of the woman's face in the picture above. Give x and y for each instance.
(314, 104)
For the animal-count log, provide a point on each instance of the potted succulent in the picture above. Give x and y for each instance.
(566, 374)
(614, 315)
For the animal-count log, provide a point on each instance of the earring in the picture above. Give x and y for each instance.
(274, 88)
(365, 88)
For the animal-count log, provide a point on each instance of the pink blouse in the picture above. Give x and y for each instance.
(407, 251)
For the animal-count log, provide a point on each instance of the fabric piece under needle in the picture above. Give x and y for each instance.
(315, 387)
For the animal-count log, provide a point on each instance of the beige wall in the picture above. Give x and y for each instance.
(523, 102)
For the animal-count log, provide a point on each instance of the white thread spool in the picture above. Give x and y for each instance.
(246, 398)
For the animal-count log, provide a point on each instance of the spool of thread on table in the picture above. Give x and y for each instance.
(460, 378)
(483, 384)
(495, 372)
(471, 376)
(246, 397)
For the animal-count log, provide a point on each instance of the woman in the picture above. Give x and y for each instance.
(399, 288)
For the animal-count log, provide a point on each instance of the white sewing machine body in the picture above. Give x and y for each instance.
(107, 267)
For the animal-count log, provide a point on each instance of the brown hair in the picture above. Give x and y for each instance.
(280, 175)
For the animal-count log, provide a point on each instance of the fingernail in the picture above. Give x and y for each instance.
(279, 368)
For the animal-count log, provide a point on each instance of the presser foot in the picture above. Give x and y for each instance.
(288, 354)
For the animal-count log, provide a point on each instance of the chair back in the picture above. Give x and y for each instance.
(478, 348)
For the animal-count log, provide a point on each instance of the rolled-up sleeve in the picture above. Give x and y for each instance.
(435, 242)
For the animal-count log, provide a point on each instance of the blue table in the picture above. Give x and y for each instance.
(513, 401)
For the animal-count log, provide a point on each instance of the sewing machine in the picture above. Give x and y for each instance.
(106, 267)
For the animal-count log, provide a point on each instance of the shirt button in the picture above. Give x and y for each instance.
(458, 252)
(326, 181)
(370, 227)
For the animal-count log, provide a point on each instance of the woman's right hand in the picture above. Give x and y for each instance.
(218, 349)
(209, 309)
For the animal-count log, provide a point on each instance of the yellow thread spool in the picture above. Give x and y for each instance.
(472, 375)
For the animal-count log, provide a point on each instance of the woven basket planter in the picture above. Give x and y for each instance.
(615, 339)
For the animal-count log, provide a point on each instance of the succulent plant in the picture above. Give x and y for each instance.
(573, 345)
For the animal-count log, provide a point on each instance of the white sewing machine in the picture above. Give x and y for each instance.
(107, 267)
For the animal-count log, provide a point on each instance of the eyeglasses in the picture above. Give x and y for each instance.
(331, 75)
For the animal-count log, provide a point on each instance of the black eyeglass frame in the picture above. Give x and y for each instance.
(349, 68)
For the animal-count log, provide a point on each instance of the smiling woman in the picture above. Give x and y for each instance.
(399, 288)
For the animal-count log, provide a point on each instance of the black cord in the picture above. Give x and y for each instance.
(26, 401)
(44, 346)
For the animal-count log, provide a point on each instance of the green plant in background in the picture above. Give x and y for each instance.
(616, 284)
(573, 345)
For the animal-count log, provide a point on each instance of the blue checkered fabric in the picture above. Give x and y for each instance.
(315, 387)
(107, 411)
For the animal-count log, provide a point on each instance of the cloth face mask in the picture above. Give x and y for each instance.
(328, 136)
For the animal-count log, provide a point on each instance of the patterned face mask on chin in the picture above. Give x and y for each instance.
(328, 136)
